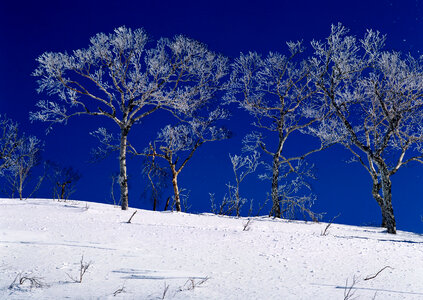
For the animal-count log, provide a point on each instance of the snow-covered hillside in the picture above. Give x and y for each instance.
(165, 255)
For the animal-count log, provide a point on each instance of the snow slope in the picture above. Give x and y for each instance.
(196, 256)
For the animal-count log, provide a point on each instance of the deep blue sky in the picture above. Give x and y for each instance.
(29, 28)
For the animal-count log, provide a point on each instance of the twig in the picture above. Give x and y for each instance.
(348, 291)
(120, 290)
(34, 281)
(374, 276)
(326, 232)
(192, 284)
(82, 270)
(167, 204)
(166, 288)
(247, 225)
(129, 221)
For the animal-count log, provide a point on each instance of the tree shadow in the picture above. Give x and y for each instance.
(38, 243)
(377, 239)
(368, 289)
(153, 274)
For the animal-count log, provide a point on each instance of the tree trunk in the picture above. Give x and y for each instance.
(62, 192)
(384, 220)
(387, 209)
(276, 209)
(237, 199)
(176, 190)
(154, 202)
(20, 188)
(379, 199)
(20, 192)
(123, 176)
(167, 204)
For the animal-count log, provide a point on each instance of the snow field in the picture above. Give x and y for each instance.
(196, 256)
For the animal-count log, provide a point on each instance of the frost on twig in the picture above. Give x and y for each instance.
(278, 93)
(376, 106)
(176, 144)
(120, 76)
(295, 191)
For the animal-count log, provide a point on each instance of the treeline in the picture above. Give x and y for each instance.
(342, 90)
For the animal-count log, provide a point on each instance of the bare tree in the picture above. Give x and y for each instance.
(63, 180)
(24, 158)
(117, 77)
(114, 181)
(177, 144)
(277, 90)
(377, 98)
(158, 176)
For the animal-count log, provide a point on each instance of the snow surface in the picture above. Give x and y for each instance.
(196, 256)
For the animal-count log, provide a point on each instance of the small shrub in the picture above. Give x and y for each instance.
(82, 270)
(33, 281)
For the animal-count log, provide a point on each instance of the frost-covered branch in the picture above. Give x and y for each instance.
(24, 158)
(176, 144)
(242, 165)
(377, 99)
(121, 77)
(278, 91)
(9, 142)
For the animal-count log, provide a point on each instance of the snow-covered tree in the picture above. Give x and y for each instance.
(9, 142)
(277, 91)
(119, 77)
(377, 99)
(242, 165)
(176, 144)
(24, 158)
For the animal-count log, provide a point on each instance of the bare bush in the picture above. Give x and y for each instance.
(191, 284)
(350, 288)
(119, 290)
(82, 270)
(33, 281)
(62, 179)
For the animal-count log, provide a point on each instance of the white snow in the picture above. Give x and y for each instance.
(196, 256)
